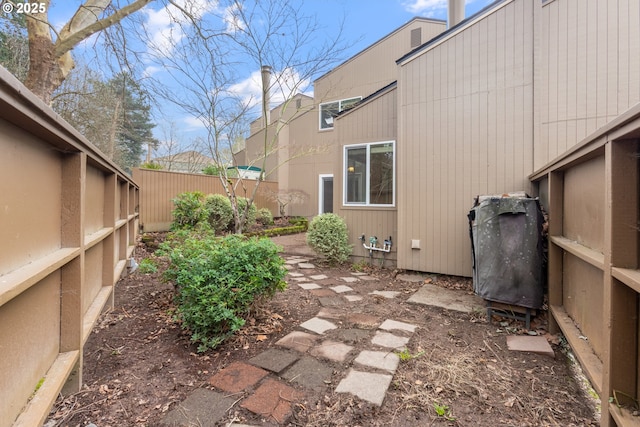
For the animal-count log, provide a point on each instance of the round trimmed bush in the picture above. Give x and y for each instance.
(188, 210)
(220, 214)
(327, 235)
(264, 217)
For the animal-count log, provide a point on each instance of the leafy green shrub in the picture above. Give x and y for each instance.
(300, 220)
(151, 165)
(264, 217)
(218, 281)
(219, 210)
(211, 170)
(147, 266)
(327, 235)
(189, 210)
(251, 214)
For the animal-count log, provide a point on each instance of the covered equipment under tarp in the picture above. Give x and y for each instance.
(507, 249)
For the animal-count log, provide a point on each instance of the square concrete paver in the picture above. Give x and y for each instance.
(388, 340)
(299, 341)
(237, 377)
(534, 344)
(349, 279)
(318, 325)
(306, 265)
(353, 298)
(310, 373)
(332, 350)
(272, 399)
(294, 274)
(450, 299)
(274, 360)
(202, 407)
(341, 289)
(366, 385)
(319, 277)
(390, 325)
(385, 360)
(309, 286)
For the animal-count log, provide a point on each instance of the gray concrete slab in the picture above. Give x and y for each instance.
(385, 360)
(274, 360)
(533, 344)
(202, 407)
(349, 279)
(450, 299)
(332, 350)
(318, 325)
(367, 386)
(341, 289)
(319, 277)
(306, 265)
(385, 339)
(353, 298)
(309, 286)
(294, 274)
(392, 325)
(330, 313)
(310, 373)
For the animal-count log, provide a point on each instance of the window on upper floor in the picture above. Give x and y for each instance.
(369, 174)
(329, 110)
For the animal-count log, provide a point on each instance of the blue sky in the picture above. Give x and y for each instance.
(365, 22)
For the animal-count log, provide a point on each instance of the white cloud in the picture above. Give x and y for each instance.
(194, 123)
(165, 26)
(428, 8)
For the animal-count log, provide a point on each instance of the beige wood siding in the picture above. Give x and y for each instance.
(587, 70)
(374, 121)
(465, 128)
(374, 67)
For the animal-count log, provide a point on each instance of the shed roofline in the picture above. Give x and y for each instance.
(416, 18)
(440, 38)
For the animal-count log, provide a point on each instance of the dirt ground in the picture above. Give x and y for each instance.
(138, 364)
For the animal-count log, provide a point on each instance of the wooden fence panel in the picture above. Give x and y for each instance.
(158, 188)
(593, 200)
(68, 224)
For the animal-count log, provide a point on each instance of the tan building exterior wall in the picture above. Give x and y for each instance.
(373, 121)
(158, 188)
(465, 128)
(68, 225)
(587, 70)
(374, 67)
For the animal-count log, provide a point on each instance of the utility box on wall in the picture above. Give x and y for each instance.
(507, 246)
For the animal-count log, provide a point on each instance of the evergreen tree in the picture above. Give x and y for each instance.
(135, 130)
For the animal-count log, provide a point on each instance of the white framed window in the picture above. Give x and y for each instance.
(369, 174)
(329, 110)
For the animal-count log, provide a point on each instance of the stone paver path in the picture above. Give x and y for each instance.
(308, 359)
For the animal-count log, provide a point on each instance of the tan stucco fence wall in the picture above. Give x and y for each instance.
(592, 194)
(158, 188)
(68, 224)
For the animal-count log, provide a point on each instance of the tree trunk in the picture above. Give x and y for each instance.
(46, 72)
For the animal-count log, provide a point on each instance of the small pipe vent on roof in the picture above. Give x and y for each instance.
(455, 12)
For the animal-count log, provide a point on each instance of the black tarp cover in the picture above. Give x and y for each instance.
(506, 236)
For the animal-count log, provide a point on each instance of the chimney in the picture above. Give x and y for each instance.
(455, 12)
(266, 86)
